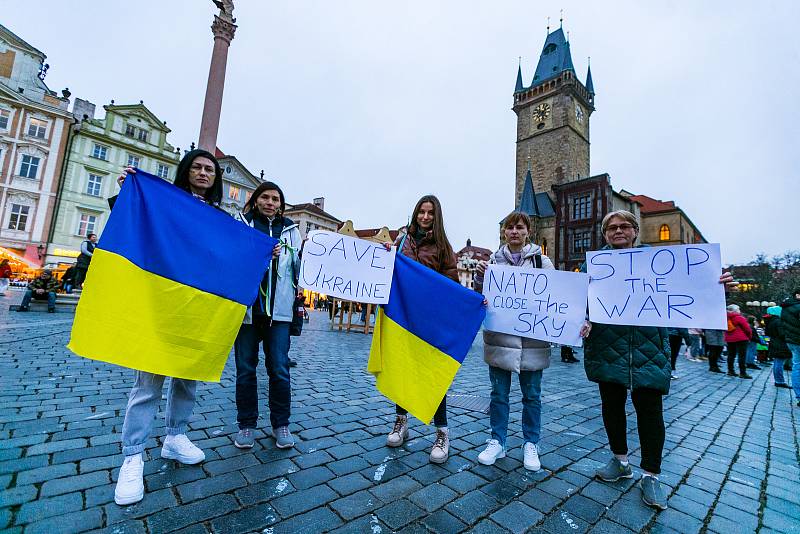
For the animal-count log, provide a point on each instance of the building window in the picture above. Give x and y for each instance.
(141, 135)
(4, 116)
(233, 192)
(663, 233)
(29, 167)
(162, 171)
(130, 130)
(94, 185)
(86, 224)
(100, 152)
(581, 207)
(308, 227)
(581, 241)
(19, 217)
(37, 128)
(133, 161)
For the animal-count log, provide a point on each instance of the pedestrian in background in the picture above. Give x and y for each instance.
(752, 345)
(778, 349)
(200, 175)
(737, 338)
(5, 276)
(715, 341)
(43, 287)
(676, 338)
(695, 350)
(790, 318)
(508, 354)
(84, 259)
(268, 320)
(426, 242)
(68, 279)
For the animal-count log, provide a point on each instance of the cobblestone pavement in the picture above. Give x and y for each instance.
(731, 458)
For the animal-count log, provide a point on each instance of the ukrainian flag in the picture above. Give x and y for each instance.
(422, 336)
(169, 283)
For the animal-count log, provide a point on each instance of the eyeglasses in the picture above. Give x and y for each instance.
(624, 227)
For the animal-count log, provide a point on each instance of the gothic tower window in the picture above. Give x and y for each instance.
(663, 233)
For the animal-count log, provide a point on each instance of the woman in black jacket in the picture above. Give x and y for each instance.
(778, 349)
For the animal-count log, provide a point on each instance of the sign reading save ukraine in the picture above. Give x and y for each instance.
(422, 336)
(169, 283)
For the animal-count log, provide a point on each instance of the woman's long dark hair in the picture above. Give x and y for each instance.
(443, 247)
(250, 205)
(213, 194)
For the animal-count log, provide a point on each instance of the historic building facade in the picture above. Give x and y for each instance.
(34, 128)
(238, 183)
(664, 223)
(312, 216)
(98, 150)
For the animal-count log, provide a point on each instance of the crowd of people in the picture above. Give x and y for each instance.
(622, 360)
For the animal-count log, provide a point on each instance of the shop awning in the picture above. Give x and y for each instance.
(5, 253)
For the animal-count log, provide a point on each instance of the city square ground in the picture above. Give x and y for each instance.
(730, 461)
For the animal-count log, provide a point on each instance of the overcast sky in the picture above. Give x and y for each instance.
(373, 104)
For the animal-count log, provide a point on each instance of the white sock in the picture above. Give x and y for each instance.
(624, 462)
(443, 429)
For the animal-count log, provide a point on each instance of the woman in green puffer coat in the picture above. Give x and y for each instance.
(636, 358)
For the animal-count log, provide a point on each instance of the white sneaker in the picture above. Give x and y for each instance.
(130, 484)
(492, 452)
(180, 448)
(530, 455)
(399, 432)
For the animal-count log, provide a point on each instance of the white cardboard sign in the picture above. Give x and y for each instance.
(676, 286)
(541, 304)
(347, 267)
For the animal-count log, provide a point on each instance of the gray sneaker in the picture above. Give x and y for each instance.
(614, 470)
(244, 439)
(652, 493)
(283, 438)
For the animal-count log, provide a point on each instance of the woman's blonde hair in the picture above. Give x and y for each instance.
(622, 214)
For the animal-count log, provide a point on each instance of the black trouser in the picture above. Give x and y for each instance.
(713, 356)
(737, 349)
(649, 419)
(675, 342)
(439, 418)
(80, 274)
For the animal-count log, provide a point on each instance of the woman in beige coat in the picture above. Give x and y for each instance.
(507, 354)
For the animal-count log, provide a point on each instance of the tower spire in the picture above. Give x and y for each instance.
(561, 19)
(520, 86)
(589, 84)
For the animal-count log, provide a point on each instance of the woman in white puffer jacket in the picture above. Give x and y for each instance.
(507, 354)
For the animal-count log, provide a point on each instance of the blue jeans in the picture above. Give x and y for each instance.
(530, 382)
(275, 340)
(143, 404)
(795, 368)
(751, 352)
(777, 370)
(26, 299)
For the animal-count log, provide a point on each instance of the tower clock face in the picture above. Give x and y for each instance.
(541, 112)
(579, 113)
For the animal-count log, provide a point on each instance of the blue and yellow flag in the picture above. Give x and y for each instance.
(169, 283)
(422, 336)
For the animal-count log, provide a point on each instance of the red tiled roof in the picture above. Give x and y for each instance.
(651, 205)
(218, 153)
(477, 252)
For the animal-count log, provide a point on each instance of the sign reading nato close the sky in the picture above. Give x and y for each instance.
(536, 303)
(674, 286)
(347, 267)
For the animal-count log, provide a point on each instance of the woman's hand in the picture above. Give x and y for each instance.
(276, 251)
(481, 267)
(387, 245)
(485, 302)
(125, 173)
(727, 279)
(586, 329)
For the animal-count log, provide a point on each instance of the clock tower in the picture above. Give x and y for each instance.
(552, 121)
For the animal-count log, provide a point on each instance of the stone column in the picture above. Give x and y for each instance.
(223, 31)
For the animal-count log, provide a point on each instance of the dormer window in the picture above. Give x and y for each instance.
(136, 133)
(549, 49)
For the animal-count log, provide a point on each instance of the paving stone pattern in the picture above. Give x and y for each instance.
(730, 464)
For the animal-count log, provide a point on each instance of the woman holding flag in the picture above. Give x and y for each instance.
(507, 354)
(427, 243)
(200, 175)
(268, 320)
